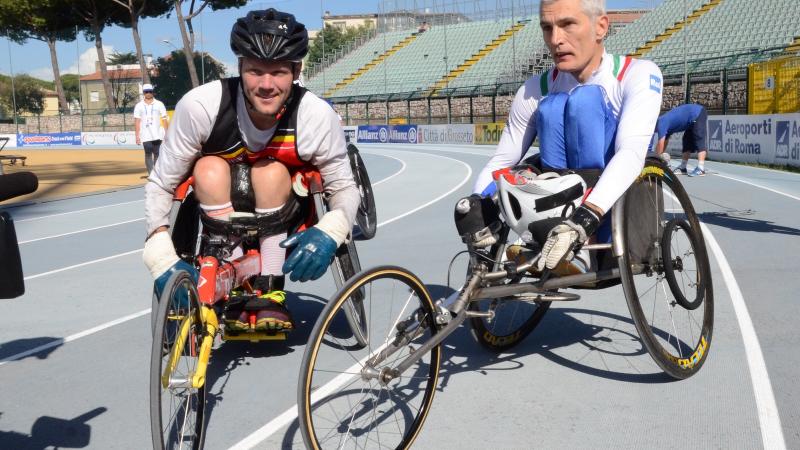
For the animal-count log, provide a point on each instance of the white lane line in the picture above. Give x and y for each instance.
(73, 337)
(81, 231)
(94, 261)
(757, 185)
(768, 416)
(76, 211)
(464, 181)
(290, 414)
(402, 169)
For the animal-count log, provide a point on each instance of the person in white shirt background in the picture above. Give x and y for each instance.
(150, 119)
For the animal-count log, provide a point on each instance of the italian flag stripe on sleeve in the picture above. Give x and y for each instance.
(621, 66)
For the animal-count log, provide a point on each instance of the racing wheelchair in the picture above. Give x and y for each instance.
(187, 314)
(381, 394)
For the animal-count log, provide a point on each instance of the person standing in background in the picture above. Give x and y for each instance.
(150, 118)
(692, 119)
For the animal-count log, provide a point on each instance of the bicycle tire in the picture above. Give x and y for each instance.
(353, 309)
(366, 217)
(489, 334)
(170, 305)
(409, 396)
(673, 264)
(677, 348)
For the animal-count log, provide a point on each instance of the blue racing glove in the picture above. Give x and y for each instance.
(312, 255)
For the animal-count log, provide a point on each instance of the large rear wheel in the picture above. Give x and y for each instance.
(354, 308)
(665, 272)
(366, 217)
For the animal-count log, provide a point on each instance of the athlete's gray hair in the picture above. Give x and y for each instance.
(592, 8)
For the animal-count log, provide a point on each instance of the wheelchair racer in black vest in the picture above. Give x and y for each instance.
(248, 141)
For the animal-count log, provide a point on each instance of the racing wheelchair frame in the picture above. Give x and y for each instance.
(186, 316)
(657, 253)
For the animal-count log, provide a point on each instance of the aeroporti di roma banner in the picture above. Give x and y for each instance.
(763, 138)
(108, 138)
(488, 133)
(446, 134)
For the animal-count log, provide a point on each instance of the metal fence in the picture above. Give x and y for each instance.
(88, 120)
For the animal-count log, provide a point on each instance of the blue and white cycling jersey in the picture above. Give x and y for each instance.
(633, 90)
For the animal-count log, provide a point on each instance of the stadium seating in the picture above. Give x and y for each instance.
(649, 26)
(733, 27)
(725, 34)
(515, 51)
(355, 60)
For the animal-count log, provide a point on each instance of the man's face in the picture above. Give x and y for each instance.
(148, 95)
(573, 37)
(267, 85)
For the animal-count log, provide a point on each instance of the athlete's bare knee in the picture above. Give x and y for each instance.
(212, 180)
(271, 183)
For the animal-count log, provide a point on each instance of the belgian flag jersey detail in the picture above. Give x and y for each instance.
(226, 139)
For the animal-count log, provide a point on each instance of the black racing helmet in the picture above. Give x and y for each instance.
(270, 35)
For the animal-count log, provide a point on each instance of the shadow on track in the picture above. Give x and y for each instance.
(305, 309)
(18, 346)
(742, 223)
(49, 432)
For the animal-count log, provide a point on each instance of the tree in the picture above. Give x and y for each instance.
(136, 9)
(117, 58)
(27, 94)
(72, 90)
(172, 80)
(42, 20)
(187, 32)
(96, 15)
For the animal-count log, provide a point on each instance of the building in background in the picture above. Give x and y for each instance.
(126, 85)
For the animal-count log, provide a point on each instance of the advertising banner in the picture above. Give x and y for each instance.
(12, 140)
(108, 138)
(351, 133)
(48, 139)
(488, 133)
(765, 139)
(446, 134)
(373, 134)
(403, 134)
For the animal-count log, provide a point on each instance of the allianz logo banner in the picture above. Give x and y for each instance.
(387, 134)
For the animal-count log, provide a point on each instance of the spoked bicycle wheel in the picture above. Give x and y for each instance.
(665, 272)
(176, 408)
(348, 396)
(354, 308)
(513, 319)
(366, 217)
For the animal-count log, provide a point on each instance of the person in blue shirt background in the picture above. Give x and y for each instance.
(690, 118)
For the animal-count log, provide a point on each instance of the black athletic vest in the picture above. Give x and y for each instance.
(226, 139)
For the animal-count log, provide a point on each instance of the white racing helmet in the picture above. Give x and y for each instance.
(525, 197)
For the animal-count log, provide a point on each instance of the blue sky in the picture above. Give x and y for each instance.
(34, 58)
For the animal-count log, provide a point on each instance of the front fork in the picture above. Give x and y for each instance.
(209, 326)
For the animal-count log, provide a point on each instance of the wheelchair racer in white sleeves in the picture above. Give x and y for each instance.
(592, 111)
